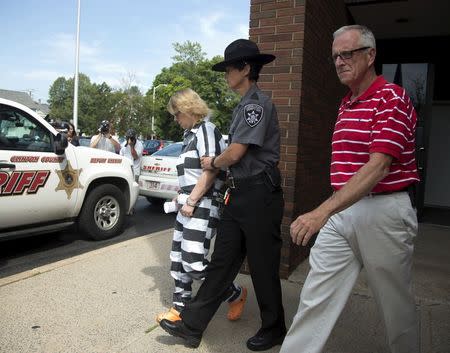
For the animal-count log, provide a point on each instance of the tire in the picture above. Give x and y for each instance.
(103, 213)
(155, 201)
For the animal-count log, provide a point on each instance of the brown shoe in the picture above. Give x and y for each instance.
(236, 307)
(171, 315)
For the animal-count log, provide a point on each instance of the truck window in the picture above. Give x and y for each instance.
(20, 132)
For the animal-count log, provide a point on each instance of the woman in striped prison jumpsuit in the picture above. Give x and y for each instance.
(196, 221)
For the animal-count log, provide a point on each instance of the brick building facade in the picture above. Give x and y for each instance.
(305, 89)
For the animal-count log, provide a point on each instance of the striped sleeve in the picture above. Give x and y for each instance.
(209, 140)
(394, 124)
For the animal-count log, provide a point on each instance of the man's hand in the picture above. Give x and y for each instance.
(206, 163)
(306, 225)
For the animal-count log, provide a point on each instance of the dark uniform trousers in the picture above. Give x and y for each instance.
(250, 225)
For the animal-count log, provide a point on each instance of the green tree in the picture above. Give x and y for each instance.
(191, 69)
(127, 107)
(188, 52)
(60, 99)
(94, 102)
(127, 110)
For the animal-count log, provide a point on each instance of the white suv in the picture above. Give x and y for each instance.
(47, 184)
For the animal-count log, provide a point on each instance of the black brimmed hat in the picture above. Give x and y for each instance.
(242, 50)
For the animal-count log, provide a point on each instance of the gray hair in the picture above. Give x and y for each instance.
(367, 39)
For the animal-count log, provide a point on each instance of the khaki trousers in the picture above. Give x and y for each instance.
(375, 233)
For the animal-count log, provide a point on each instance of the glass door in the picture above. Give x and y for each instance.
(417, 79)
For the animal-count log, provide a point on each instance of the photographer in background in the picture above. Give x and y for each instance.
(104, 140)
(132, 149)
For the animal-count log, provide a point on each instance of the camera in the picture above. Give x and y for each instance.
(104, 127)
(130, 136)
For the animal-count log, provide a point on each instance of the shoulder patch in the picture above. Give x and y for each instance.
(253, 114)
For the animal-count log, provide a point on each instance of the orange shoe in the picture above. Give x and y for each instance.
(171, 315)
(236, 307)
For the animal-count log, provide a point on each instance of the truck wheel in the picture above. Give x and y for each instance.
(103, 212)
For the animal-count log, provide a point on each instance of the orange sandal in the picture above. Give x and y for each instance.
(236, 307)
(171, 315)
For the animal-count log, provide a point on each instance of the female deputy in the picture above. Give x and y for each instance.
(251, 218)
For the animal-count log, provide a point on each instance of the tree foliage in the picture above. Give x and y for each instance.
(94, 102)
(128, 108)
(192, 69)
(188, 52)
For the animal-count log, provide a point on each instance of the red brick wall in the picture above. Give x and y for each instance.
(304, 87)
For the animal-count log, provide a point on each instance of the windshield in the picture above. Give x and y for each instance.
(152, 144)
(173, 150)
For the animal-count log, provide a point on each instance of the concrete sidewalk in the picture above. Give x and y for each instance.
(105, 301)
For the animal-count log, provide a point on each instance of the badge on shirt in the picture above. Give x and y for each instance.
(253, 114)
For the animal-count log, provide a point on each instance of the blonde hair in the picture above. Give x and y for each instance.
(189, 102)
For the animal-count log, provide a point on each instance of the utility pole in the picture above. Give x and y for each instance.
(77, 64)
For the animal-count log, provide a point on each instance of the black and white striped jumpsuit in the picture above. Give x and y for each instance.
(192, 235)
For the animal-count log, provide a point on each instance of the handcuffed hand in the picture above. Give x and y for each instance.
(187, 210)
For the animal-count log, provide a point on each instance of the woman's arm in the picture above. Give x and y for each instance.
(203, 184)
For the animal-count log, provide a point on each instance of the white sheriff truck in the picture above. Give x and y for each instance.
(47, 184)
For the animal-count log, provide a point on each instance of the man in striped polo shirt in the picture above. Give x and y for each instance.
(369, 221)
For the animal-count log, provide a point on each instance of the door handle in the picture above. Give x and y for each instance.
(4, 165)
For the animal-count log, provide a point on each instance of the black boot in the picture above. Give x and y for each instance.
(265, 340)
(179, 329)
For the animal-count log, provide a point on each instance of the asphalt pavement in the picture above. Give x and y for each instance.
(19, 255)
(106, 301)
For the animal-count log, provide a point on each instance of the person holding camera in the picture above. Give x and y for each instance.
(104, 139)
(132, 149)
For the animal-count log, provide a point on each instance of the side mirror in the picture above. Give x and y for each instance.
(60, 143)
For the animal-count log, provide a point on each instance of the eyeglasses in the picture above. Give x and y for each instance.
(348, 54)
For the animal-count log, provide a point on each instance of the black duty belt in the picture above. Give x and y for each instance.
(234, 183)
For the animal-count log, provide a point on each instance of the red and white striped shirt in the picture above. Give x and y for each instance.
(381, 120)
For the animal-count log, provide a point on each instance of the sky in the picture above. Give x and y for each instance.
(119, 39)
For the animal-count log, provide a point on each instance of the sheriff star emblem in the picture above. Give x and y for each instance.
(69, 179)
(253, 114)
